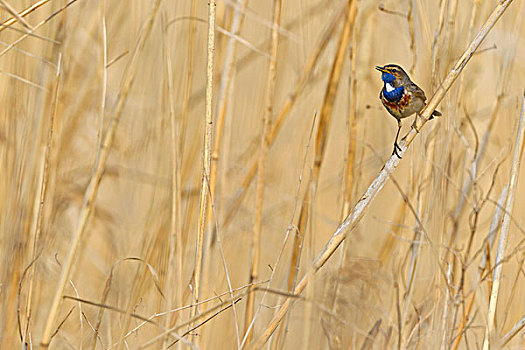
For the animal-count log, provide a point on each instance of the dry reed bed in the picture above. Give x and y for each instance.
(171, 183)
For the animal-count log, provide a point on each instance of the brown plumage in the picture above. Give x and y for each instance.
(400, 96)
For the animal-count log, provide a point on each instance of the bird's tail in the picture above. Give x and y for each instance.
(436, 113)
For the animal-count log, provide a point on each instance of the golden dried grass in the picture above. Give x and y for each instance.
(101, 143)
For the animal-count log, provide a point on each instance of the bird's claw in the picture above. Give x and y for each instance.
(396, 148)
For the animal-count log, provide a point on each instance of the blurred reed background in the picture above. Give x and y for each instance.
(104, 215)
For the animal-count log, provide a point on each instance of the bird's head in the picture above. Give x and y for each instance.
(393, 74)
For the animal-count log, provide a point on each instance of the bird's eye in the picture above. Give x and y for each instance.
(394, 70)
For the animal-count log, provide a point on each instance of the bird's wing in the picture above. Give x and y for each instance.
(417, 92)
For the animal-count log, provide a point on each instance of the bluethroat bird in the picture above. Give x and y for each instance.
(400, 96)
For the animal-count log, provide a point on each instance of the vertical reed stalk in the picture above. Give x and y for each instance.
(473, 16)
(325, 115)
(412, 35)
(265, 144)
(449, 37)
(490, 332)
(183, 130)
(104, 63)
(174, 268)
(437, 33)
(352, 126)
(35, 237)
(445, 314)
(227, 76)
(244, 61)
(206, 159)
(189, 76)
(224, 92)
(294, 262)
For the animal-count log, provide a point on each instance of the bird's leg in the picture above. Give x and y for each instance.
(396, 146)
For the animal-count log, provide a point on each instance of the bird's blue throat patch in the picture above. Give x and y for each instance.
(388, 78)
(391, 94)
(394, 95)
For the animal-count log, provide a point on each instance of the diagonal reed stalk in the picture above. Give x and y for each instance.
(91, 192)
(490, 332)
(6, 24)
(515, 330)
(383, 176)
(29, 32)
(265, 145)
(15, 14)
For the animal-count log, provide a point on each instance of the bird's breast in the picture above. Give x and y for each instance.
(400, 104)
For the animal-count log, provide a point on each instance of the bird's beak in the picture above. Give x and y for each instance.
(381, 69)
